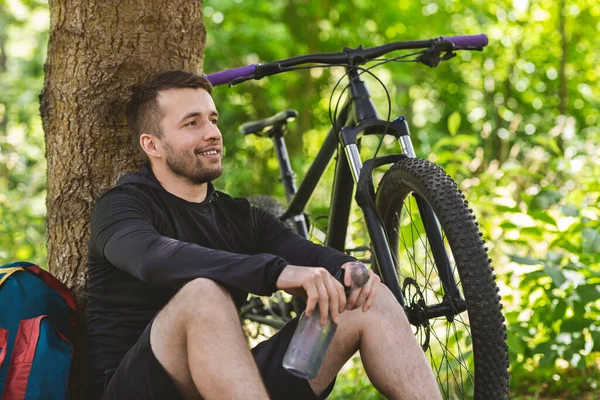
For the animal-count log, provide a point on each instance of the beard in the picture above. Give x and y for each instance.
(191, 169)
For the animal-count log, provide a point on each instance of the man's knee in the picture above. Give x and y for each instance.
(385, 303)
(204, 287)
(202, 297)
(385, 307)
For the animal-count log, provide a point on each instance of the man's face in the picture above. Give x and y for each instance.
(192, 143)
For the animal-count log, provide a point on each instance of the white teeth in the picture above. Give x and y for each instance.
(210, 153)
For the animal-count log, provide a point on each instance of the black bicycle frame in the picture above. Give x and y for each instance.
(358, 117)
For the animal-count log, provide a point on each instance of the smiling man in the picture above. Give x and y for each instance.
(171, 260)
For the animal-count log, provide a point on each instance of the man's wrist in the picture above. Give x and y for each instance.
(279, 268)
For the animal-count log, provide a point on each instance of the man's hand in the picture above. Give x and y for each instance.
(361, 296)
(319, 286)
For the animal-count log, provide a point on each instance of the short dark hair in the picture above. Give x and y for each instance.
(144, 113)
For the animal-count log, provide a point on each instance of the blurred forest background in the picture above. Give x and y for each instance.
(518, 126)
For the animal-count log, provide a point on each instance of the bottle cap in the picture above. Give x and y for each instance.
(358, 271)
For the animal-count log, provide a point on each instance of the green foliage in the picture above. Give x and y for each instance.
(542, 232)
(353, 383)
(23, 39)
(515, 125)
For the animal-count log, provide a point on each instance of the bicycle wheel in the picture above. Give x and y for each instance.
(467, 352)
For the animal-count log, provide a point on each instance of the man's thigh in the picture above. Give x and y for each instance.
(140, 375)
(280, 383)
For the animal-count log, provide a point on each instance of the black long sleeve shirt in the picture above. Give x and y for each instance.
(147, 243)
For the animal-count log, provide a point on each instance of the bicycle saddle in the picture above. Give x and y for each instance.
(281, 118)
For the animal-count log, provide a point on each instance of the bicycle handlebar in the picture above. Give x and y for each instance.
(356, 56)
(228, 75)
(477, 41)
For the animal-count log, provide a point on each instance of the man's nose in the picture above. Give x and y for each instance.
(212, 133)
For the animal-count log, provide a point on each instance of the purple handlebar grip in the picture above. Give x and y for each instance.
(468, 41)
(221, 77)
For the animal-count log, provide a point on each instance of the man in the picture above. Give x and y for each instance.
(171, 260)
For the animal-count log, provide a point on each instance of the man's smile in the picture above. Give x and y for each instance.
(213, 153)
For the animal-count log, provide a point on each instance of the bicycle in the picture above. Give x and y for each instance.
(415, 204)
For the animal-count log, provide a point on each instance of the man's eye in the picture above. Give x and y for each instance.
(214, 121)
(191, 123)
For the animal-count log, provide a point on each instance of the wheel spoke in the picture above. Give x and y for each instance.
(458, 318)
(447, 351)
(411, 256)
(420, 236)
(462, 357)
(450, 371)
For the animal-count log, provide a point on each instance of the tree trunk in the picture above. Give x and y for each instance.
(97, 51)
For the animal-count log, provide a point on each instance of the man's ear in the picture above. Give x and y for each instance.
(150, 145)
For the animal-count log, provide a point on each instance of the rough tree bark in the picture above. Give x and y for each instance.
(97, 51)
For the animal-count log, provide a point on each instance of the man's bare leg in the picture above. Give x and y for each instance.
(198, 339)
(392, 358)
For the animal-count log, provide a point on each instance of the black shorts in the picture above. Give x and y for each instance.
(140, 376)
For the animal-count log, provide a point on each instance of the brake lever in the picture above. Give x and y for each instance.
(430, 57)
(433, 56)
(239, 80)
(469, 48)
(448, 55)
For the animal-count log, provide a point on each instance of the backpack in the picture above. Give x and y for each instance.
(37, 315)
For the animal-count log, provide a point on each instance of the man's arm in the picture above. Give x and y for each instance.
(275, 237)
(123, 231)
(317, 284)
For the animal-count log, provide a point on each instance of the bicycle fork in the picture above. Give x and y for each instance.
(367, 122)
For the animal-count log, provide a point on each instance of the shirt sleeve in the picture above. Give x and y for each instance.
(123, 230)
(275, 237)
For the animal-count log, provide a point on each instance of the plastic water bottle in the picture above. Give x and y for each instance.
(311, 340)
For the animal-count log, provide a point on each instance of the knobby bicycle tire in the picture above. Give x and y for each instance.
(470, 358)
